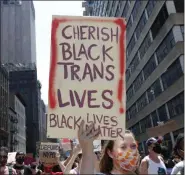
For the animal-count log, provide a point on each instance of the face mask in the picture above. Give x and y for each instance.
(157, 149)
(20, 160)
(128, 161)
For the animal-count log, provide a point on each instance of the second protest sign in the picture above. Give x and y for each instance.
(87, 76)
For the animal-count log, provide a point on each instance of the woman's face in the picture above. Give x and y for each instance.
(122, 146)
(125, 154)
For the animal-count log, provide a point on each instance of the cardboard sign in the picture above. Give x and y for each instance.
(11, 157)
(87, 76)
(97, 145)
(47, 153)
(161, 130)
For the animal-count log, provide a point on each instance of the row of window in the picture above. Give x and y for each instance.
(17, 2)
(175, 107)
(145, 16)
(172, 74)
(148, 39)
(161, 52)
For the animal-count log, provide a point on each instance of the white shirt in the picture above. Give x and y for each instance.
(156, 168)
(178, 168)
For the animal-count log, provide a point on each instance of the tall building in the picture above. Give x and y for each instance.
(155, 62)
(23, 80)
(18, 43)
(4, 92)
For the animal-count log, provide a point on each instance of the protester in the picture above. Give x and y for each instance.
(179, 146)
(119, 157)
(179, 150)
(153, 163)
(19, 166)
(5, 170)
(34, 169)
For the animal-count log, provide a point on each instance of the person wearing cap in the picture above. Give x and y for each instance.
(153, 163)
(19, 166)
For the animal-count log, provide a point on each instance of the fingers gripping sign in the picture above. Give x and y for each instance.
(86, 136)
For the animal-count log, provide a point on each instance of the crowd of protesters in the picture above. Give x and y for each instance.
(117, 157)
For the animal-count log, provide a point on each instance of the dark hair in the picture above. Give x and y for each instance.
(4, 149)
(180, 138)
(165, 152)
(56, 168)
(106, 162)
(19, 153)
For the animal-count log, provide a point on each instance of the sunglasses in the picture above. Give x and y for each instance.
(4, 157)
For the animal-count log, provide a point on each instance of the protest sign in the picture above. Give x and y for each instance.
(162, 129)
(87, 76)
(47, 153)
(97, 145)
(11, 157)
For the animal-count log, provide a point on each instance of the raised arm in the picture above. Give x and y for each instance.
(86, 138)
(62, 166)
(76, 151)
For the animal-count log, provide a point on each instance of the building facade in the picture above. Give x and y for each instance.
(43, 124)
(23, 80)
(4, 93)
(13, 124)
(21, 126)
(154, 62)
(17, 116)
(18, 32)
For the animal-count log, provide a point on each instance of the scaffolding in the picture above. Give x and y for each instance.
(10, 67)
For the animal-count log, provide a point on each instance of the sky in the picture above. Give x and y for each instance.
(43, 15)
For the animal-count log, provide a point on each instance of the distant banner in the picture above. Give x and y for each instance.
(87, 76)
(11, 157)
(47, 153)
(96, 144)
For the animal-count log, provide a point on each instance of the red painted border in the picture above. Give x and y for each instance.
(55, 25)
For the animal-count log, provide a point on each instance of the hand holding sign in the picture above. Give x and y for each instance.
(87, 76)
(87, 136)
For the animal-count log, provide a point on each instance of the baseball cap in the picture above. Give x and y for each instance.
(150, 141)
